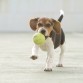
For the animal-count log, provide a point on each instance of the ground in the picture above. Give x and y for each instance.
(17, 67)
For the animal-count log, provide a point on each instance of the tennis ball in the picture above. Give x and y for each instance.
(39, 39)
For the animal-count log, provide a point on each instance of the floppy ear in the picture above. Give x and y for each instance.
(33, 23)
(56, 26)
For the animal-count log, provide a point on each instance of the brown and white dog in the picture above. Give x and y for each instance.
(54, 35)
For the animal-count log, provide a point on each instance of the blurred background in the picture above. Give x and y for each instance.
(15, 14)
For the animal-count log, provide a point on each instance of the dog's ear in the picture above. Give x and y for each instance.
(56, 26)
(33, 23)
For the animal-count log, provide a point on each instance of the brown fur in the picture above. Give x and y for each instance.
(33, 23)
(55, 24)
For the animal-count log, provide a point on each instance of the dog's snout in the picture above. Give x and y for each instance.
(43, 31)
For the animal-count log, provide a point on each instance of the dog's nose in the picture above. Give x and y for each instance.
(43, 31)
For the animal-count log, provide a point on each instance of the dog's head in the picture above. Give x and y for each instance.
(45, 25)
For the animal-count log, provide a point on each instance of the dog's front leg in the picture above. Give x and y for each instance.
(49, 60)
(35, 52)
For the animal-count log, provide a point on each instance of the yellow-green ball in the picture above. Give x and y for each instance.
(39, 39)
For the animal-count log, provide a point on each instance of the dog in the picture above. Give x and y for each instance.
(54, 36)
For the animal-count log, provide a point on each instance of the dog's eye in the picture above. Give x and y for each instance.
(40, 24)
(48, 25)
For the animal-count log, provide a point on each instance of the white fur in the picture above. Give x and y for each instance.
(61, 54)
(49, 47)
(35, 49)
(61, 12)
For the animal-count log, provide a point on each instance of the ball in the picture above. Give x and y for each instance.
(39, 39)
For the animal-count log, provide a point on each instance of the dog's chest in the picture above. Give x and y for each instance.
(48, 45)
(44, 47)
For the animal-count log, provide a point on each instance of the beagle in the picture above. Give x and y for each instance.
(54, 35)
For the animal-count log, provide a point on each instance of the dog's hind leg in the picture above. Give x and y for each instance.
(61, 55)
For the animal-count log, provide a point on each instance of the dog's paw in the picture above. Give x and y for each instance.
(48, 69)
(59, 65)
(33, 57)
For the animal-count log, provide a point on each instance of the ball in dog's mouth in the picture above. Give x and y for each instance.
(39, 39)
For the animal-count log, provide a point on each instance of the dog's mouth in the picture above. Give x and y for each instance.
(44, 33)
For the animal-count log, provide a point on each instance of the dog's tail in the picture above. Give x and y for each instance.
(61, 15)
